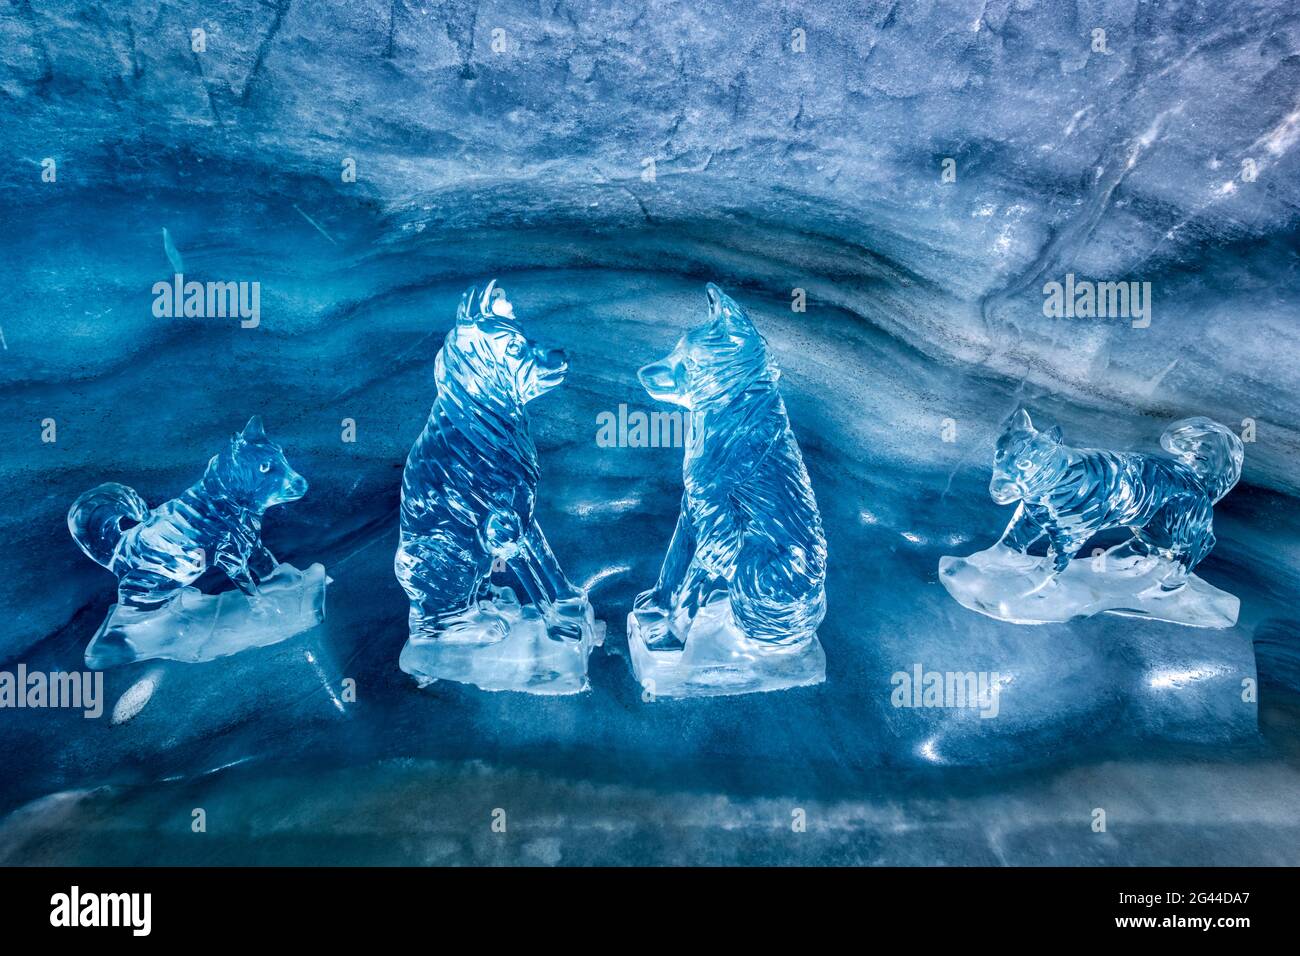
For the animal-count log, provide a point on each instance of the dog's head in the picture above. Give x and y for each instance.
(713, 362)
(488, 356)
(1025, 462)
(256, 472)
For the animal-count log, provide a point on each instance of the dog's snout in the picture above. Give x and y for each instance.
(657, 377)
(1003, 492)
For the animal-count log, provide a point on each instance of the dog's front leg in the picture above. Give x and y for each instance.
(700, 583)
(655, 608)
(1022, 531)
(535, 564)
(262, 562)
(1061, 549)
(672, 576)
(235, 567)
(501, 534)
(535, 567)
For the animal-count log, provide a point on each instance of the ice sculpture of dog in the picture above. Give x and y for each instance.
(215, 522)
(1071, 494)
(468, 492)
(1068, 495)
(218, 519)
(741, 592)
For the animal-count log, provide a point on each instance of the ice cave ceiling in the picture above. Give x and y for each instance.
(774, 168)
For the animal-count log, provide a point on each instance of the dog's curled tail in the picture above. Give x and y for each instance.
(1211, 450)
(95, 519)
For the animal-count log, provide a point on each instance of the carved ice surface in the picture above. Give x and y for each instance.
(158, 554)
(1069, 495)
(468, 492)
(193, 626)
(741, 591)
(924, 303)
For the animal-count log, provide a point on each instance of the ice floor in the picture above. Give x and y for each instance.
(922, 308)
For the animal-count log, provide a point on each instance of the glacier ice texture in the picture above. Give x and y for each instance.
(743, 585)
(158, 554)
(1068, 496)
(774, 170)
(468, 495)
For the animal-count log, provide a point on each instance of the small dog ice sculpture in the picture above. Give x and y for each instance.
(741, 592)
(158, 554)
(1067, 495)
(467, 510)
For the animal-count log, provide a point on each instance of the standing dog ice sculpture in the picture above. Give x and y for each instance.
(741, 592)
(1067, 495)
(162, 552)
(467, 505)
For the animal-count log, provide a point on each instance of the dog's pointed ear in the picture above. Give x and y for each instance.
(1020, 421)
(253, 431)
(714, 295)
(496, 303)
(463, 314)
(1055, 434)
(485, 306)
(722, 308)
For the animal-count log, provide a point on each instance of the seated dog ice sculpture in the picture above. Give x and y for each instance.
(158, 554)
(741, 592)
(1067, 495)
(467, 509)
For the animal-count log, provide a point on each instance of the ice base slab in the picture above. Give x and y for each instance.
(502, 645)
(196, 627)
(1010, 586)
(717, 658)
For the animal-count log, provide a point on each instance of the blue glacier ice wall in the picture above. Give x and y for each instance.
(604, 164)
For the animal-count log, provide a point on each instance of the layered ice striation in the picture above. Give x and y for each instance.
(609, 160)
(743, 586)
(468, 496)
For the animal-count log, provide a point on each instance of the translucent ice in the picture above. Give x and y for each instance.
(193, 626)
(468, 492)
(741, 591)
(158, 554)
(924, 303)
(1069, 495)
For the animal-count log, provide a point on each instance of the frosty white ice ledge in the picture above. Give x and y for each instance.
(468, 492)
(742, 589)
(157, 555)
(1068, 495)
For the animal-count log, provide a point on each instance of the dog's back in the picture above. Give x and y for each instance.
(1103, 489)
(176, 541)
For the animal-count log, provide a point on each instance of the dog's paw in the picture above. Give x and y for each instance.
(650, 600)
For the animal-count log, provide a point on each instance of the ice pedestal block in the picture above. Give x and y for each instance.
(1011, 586)
(502, 645)
(717, 658)
(195, 627)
